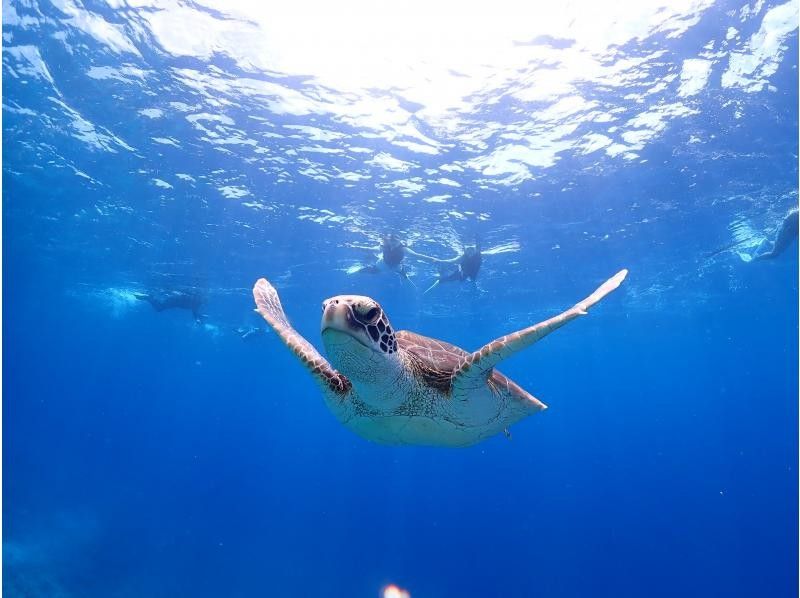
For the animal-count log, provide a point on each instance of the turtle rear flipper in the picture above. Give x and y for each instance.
(477, 366)
(268, 304)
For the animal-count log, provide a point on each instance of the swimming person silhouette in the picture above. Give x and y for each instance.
(393, 252)
(787, 232)
(191, 300)
(463, 267)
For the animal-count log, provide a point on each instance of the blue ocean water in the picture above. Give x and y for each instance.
(157, 145)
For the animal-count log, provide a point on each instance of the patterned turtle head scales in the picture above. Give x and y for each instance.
(361, 318)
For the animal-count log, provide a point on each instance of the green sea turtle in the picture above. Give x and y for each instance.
(399, 387)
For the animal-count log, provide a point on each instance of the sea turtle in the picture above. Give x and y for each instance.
(399, 387)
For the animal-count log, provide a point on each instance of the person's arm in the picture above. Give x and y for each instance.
(431, 259)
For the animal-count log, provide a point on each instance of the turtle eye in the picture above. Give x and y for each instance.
(369, 316)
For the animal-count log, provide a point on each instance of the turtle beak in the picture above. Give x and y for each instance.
(334, 314)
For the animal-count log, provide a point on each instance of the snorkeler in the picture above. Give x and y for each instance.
(190, 300)
(787, 232)
(458, 269)
(393, 252)
(250, 332)
(391, 257)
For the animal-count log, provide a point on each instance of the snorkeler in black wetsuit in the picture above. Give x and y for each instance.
(393, 252)
(464, 267)
(786, 234)
(190, 300)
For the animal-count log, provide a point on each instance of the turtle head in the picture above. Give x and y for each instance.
(357, 336)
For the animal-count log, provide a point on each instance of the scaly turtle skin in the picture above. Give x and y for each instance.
(398, 387)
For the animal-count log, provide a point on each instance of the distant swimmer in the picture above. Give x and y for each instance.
(750, 245)
(393, 253)
(458, 269)
(391, 258)
(250, 332)
(190, 300)
(787, 232)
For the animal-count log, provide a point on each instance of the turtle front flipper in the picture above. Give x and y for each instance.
(269, 306)
(477, 366)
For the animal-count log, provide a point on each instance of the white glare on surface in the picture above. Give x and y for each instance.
(433, 53)
(514, 88)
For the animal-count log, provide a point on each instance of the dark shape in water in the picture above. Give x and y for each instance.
(786, 234)
(191, 300)
(464, 267)
(393, 252)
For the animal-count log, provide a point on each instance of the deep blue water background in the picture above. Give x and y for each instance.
(146, 456)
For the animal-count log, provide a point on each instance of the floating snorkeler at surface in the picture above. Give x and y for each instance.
(787, 232)
(391, 257)
(463, 267)
(393, 252)
(191, 300)
(742, 246)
